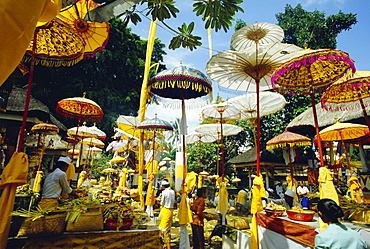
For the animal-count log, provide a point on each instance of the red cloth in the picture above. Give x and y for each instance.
(301, 233)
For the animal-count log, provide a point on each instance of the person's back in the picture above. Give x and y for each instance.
(338, 236)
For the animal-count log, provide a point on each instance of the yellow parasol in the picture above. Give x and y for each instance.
(310, 72)
(94, 34)
(349, 94)
(55, 44)
(14, 174)
(92, 142)
(118, 159)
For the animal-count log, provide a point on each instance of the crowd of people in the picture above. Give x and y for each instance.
(56, 183)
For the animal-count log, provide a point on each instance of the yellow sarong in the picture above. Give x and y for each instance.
(166, 218)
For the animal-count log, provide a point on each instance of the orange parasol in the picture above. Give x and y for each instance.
(349, 94)
(80, 108)
(94, 34)
(310, 72)
(345, 133)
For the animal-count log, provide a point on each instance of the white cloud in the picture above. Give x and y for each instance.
(321, 2)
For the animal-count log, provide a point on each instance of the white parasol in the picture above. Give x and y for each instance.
(256, 34)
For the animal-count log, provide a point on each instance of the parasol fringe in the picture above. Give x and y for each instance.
(284, 145)
(182, 83)
(50, 62)
(190, 103)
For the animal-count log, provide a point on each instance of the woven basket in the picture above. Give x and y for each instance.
(48, 225)
(90, 221)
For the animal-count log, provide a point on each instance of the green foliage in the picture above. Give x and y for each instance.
(218, 14)
(185, 38)
(161, 9)
(314, 28)
(112, 79)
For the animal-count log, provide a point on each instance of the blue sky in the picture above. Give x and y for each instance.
(355, 41)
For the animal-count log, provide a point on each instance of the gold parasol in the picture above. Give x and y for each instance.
(312, 71)
(92, 142)
(349, 94)
(56, 45)
(94, 34)
(80, 108)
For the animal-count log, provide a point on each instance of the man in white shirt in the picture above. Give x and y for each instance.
(302, 190)
(167, 204)
(55, 183)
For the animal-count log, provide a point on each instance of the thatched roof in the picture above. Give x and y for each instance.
(16, 103)
(250, 156)
(304, 123)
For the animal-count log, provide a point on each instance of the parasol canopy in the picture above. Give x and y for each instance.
(129, 124)
(81, 131)
(92, 142)
(313, 69)
(101, 134)
(310, 72)
(287, 139)
(199, 137)
(215, 130)
(270, 103)
(45, 128)
(180, 83)
(343, 132)
(118, 159)
(155, 124)
(79, 108)
(218, 112)
(239, 70)
(94, 150)
(94, 34)
(256, 34)
(57, 44)
(348, 94)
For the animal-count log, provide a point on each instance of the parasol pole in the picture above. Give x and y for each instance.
(28, 96)
(258, 142)
(321, 156)
(345, 150)
(290, 163)
(222, 148)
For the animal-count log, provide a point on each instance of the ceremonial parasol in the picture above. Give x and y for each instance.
(129, 124)
(199, 137)
(250, 70)
(343, 132)
(42, 129)
(55, 44)
(220, 111)
(348, 94)
(215, 131)
(80, 108)
(256, 34)
(270, 103)
(310, 72)
(81, 132)
(179, 86)
(94, 34)
(288, 140)
(118, 159)
(92, 142)
(101, 134)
